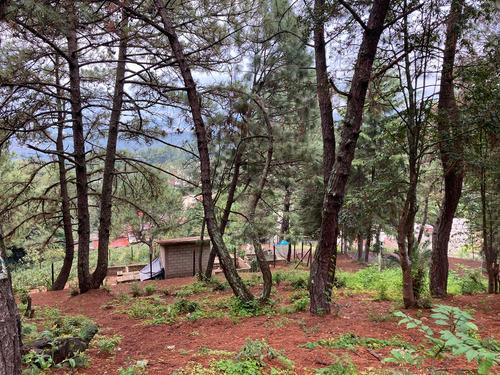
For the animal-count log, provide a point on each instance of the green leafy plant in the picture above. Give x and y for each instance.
(183, 305)
(301, 304)
(107, 345)
(135, 289)
(150, 288)
(340, 366)
(460, 338)
(137, 368)
(351, 341)
(256, 351)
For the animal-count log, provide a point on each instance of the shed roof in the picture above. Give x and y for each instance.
(184, 240)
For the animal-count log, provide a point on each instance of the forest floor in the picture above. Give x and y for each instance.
(167, 348)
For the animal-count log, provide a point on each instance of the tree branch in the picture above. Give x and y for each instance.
(337, 90)
(355, 15)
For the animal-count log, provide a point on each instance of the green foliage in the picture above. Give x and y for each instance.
(107, 345)
(135, 289)
(278, 277)
(472, 282)
(459, 337)
(299, 283)
(387, 284)
(150, 288)
(41, 361)
(351, 341)
(251, 358)
(257, 351)
(340, 366)
(133, 368)
(184, 306)
(247, 309)
(301, 304)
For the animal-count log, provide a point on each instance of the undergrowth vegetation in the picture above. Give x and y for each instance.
(153, 304)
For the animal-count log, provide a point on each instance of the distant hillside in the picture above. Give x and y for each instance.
(155, 152)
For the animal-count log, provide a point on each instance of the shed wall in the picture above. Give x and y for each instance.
(178, 259)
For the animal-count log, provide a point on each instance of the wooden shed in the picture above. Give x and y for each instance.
(181, 256)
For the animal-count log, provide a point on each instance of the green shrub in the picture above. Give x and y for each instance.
(107, 345)
(300, 283)
(184, 306)
(278, 277)
(340, 366)
(150, 288)
(301, 304)
(135, 289)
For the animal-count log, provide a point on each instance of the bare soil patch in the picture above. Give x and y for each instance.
(167, 348)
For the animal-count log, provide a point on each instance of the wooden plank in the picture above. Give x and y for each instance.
(129, 276)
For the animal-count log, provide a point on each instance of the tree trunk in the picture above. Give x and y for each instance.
(360, 247)
(84, 277)
(10, 322)
(239, 288)
(227, 209)
(490, 254)
(259, 253)
(109, 162)
(406, 225)
(69, 241)
(424, 221)
(451, 151)
(368, 243)
(324, 264)
(323, 91)
(285, 222)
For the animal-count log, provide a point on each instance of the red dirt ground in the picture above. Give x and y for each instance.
(167, 348)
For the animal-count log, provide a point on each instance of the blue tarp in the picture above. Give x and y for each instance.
(283, 242)
(145, 273)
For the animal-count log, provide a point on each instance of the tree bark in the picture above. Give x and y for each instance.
(259, 253)
(324, 264)
(360, 247)
(69, 241)
(109, 162)
(368, 243)
(237, 285)
(84, 277)
(227, 209)
(323, 91)
(285, 221)
(10, 322)
(451, 151)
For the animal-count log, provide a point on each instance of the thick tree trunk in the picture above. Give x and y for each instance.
(10, 322)
(84, 277)
(324, 264)
(451, 151)
(239, 288)
(69, 241)
(109, 162)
